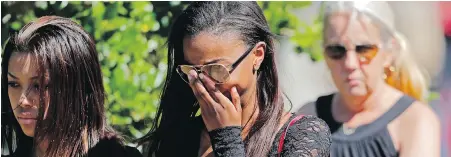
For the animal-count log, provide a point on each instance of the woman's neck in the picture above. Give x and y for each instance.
(364, 109)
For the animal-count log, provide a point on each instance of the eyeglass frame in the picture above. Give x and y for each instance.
(233, 66)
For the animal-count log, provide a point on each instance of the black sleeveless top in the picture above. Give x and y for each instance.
(369, 140)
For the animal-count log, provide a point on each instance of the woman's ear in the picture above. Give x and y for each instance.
(388, 60)
(259, 53)
(393, 46)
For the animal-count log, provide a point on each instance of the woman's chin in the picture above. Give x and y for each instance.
(28, 131)
(358, 91)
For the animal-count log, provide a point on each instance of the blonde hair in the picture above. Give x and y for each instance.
(408, 76)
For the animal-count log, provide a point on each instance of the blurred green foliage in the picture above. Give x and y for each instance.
(131, 38)
(283, 21)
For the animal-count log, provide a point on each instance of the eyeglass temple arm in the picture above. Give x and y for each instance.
(237, 62)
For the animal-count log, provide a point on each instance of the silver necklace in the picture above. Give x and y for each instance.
(346, 130)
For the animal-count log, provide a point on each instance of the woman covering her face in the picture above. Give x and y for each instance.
(221, 96)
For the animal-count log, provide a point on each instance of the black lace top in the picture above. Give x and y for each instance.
(307, 137)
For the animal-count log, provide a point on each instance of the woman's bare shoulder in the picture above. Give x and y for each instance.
(419, 131)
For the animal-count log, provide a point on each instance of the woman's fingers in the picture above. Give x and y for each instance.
(236, 99)
(199, 91)
(209, 85)
(217, 95)
(218, 111)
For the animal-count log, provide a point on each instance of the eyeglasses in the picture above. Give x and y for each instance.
(219, 73)
(365, 52)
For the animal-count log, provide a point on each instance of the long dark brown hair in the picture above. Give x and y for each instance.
(177, 104)
(76, 93)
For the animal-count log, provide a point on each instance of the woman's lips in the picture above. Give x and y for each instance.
(353, 81)
(26, 118)
(26, 121)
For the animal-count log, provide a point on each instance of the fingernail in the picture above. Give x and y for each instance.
(189, 77)
(234, 90)
(201, 76)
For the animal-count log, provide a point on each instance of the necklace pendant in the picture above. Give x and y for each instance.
(348, 130)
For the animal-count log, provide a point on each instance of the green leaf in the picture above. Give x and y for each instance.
(174, 3)
(41, 4)
(63, 4)
(122, 10)
(98, 10)
(113, 24)
(165, 21)
(299, 4)
(75, 3)
(83, 14)
(141, 8)
(28, 17)
(116, 120)
(16, 25)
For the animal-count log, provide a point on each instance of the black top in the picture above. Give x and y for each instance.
(112, 148)
(308, 137)
(105, 147)
(369, 140)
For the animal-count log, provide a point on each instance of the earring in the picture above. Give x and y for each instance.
(254, 69)
(388, 72)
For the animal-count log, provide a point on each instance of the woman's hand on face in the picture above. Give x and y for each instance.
(217, 110)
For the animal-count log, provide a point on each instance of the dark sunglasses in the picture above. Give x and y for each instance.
(219, 73)
(365, 52)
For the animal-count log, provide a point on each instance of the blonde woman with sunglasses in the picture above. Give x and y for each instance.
(221, 97)
(380, 109)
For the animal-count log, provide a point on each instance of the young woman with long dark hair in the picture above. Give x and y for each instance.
(221, 63)
(53, 95)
